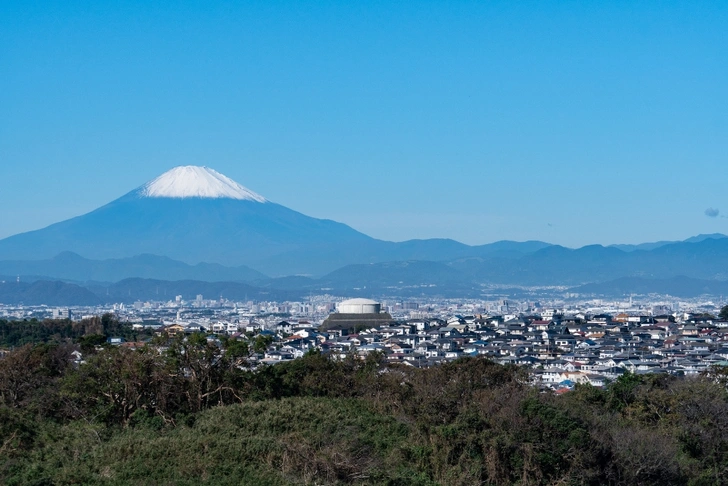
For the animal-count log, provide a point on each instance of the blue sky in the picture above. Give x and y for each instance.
(570, 122)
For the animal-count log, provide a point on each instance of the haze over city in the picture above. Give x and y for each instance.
(568, 123)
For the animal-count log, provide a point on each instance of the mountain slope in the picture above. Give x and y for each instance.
(195, 214)
(45, 292)
(676, 286)
(658, 244)
(332, 256)
(213, 228)
(70, 266)
(556, 265)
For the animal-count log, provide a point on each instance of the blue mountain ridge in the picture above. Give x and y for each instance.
(265, 236)
(70, 266)
(192, 223)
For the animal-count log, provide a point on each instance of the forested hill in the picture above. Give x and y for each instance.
(195, 413)
(46, 292)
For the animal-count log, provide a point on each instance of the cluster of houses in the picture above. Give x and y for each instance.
(559, 350)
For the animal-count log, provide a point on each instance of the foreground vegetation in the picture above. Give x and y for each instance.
(193, 414)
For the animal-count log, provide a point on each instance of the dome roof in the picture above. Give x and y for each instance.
(359, 302)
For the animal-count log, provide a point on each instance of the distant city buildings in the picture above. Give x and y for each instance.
(61, 313)
(561, 339)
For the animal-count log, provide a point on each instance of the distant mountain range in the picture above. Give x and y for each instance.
(556, 265)
(680, 286)
(552, 265)
(405, 279)
(612, 272)
(44, 292)
(192, 227)
(73, 267)
(657, 244)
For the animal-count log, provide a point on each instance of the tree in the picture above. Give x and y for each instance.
(724, 313)
(116, 383)
(28, 375)
(236, 349)
(206, 371)
(262, 342)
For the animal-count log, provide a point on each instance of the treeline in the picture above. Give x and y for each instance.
(60, 331)
(193, 413)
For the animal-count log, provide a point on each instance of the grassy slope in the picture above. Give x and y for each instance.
(291, 441)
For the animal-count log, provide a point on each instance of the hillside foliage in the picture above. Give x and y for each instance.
(189, 412)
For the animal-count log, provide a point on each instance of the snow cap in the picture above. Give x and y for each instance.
(193, 181)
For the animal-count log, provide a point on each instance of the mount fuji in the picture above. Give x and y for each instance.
(192, 214)
(195, 214)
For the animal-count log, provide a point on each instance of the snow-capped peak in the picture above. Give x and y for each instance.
(192, 181)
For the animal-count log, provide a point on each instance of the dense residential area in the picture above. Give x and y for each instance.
(560, 348)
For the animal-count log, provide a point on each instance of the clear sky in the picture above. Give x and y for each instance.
(569, 122)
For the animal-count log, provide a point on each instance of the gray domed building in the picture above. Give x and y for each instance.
(356, 314)
(359, 306)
